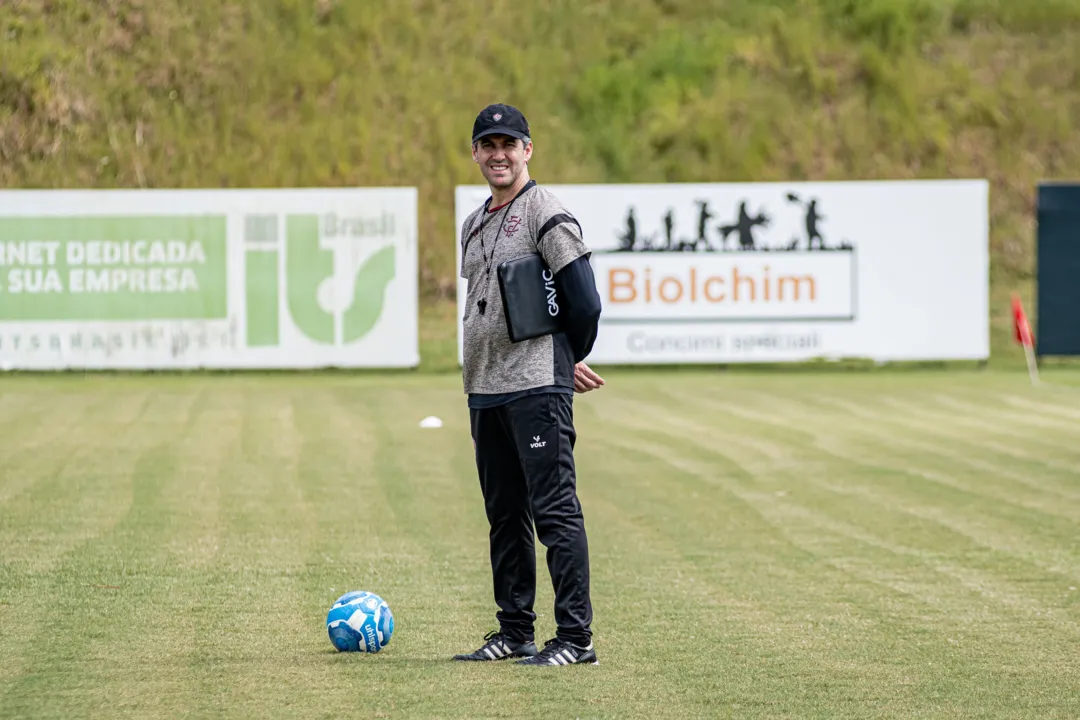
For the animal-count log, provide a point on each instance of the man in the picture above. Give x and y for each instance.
(520, 397)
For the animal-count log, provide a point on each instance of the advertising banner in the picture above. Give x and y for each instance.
(1058, 269)
(782, 272)
(158, 279)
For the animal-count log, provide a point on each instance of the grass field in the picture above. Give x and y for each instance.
(788, 545)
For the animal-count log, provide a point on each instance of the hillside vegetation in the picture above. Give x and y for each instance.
(270, 93)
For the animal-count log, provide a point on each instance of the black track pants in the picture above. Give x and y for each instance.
(525, 460)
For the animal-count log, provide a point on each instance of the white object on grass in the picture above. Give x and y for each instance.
(431, 422)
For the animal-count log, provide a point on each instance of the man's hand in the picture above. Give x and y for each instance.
(585, 379)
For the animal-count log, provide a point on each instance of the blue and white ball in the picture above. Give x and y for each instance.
(360, 622)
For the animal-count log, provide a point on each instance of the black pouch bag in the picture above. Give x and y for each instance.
(530, 303)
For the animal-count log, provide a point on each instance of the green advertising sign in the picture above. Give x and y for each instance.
(113, 268)
(238, 278)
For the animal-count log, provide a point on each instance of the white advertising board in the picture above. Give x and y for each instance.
(782, 272)
(159, 279)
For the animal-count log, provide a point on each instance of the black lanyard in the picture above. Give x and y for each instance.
(481, 304)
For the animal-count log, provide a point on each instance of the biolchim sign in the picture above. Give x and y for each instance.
(775, 272)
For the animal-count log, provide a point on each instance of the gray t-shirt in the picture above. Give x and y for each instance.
(534, 221)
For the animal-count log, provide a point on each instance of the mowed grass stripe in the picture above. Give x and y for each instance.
(1041, 443)
(143, 668)
(729, 449)
(430, 484)
(107, 586)
(359, 537)
(51, 527)
(922, 441)
(936, 414)
(39, 441)
(1062, 407)
(983, 441)
(727, 574)
(21, 413)
(63, 505)
(677, 455)
(785, 495)
(38, 526)
(1026, 423)
(792, 515)
(956, 499)
(854, 439)
(917, 411)
(259, 630)
(664, 635)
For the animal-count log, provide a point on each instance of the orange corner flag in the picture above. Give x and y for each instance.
(1022, 333)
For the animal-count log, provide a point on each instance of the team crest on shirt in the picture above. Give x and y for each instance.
(513, 223)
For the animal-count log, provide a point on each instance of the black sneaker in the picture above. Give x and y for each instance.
(499, 647)
(560, 652)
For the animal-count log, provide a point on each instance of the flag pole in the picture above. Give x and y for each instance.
(1033, 367)
(1024, 337)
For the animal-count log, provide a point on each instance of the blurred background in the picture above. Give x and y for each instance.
(292, 93)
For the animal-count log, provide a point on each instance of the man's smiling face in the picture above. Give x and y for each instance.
(501, 158)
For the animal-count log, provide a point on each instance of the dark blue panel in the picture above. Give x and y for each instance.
(1057, 329)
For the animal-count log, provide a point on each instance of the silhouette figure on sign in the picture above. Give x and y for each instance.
(628, 239)
(745, 227)
(669, 226)
(703, 218)
(813, 232)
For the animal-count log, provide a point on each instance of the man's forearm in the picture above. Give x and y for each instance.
(580, 300)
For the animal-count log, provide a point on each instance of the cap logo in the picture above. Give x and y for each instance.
(497, 116)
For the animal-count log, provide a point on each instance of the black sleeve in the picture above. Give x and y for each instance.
(580, 301)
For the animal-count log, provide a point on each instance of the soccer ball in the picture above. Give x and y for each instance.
(360, 622)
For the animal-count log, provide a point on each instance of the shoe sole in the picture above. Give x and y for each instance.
(594, 661)
(515, 656)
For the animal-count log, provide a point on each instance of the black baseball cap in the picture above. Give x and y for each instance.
(499, 119)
